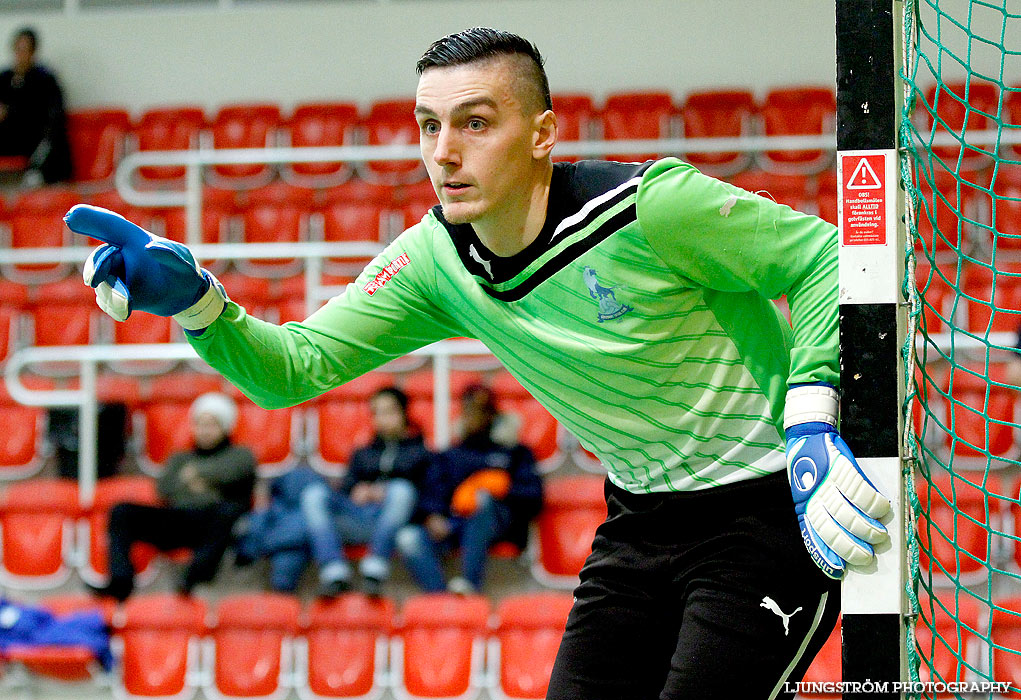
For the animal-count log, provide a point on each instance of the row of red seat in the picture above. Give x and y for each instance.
(969, 414)
(326, 429)
(971, 297)
(265, 645)
(47, 534)
(101, 136)
(436, 645)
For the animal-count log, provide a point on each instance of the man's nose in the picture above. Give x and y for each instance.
(447, 151)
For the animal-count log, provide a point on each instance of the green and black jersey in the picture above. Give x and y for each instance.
(640, 318)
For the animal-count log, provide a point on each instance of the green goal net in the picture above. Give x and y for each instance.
(961, 166)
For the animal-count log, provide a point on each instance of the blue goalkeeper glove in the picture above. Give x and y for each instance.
(838, 507)
(136, 270)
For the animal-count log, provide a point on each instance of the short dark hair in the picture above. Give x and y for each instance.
(28, 33)
(480, 44)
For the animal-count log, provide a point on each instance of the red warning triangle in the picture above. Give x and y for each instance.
(864, 177)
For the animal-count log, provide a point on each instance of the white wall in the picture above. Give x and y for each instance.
(365, 50)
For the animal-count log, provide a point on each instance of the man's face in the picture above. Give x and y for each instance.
(387, 417)
(206, 431)
(477, 141)
(24, 54)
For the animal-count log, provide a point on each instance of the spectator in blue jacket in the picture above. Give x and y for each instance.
(307, 520)
(484, 490)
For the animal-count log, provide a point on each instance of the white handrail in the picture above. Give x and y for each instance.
(88, 358)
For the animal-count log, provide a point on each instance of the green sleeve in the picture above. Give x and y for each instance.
(353, 333)
(725, 239)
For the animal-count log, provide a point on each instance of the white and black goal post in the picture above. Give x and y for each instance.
(873, 322)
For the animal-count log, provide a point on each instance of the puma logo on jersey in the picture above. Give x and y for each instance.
(770, 604)
(478, 258)
(386, 274)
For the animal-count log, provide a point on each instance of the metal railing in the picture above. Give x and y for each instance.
(85, 399)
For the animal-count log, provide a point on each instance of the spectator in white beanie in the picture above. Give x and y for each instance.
(205, 490)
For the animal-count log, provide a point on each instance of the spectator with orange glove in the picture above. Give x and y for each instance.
(484, 490)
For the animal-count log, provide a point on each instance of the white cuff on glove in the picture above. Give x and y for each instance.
(813, 403)
(203, 312)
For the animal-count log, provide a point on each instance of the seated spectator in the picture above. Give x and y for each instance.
(205, 490)
(307, 520)
(33, 123)
(484, 490)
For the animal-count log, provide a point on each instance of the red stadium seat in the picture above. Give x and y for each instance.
(946, 216)
(172, 128)
(321, 124)
(252, 645)
(62, 313)
(574, 507)
(954, 526)
(13, 299)
(792, 190)
(37, 221)
(413, 202)
(955, 108)
(538, 428)
(161, 634)
(93, 528)
(97, 144)
(528, 632)
(937, 286)
(827, 665)
(1005, 209)
(1006, 638)
(716, 114)
(981, 415)
(948, 654)
(246, 125)
(438, 650)
(271, 434)
(277, 213)
(344, 651)
(218, 206)
(20, 439)
(392, 122)
(992, 298)
(637, 115)
(793, 111)
(37, 532)
(68, 663)
(341, 427)
(356, 211)
(826, 197)
(577, 118)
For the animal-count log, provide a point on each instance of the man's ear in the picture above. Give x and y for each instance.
(544, 134)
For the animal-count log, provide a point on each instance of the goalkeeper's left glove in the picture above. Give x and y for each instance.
(838, 507)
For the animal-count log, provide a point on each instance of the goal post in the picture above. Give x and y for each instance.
(873, 329)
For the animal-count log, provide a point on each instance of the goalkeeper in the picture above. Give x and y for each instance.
(633, 301)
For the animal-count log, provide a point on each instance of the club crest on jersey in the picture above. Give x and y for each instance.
(386, 274)
(609, 307)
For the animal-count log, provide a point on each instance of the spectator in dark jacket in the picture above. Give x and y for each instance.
(377, 496)
(33, 123)
(204, 490)
(480, 492)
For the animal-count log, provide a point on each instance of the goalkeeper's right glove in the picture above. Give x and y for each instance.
(136, 270)
(838, 507)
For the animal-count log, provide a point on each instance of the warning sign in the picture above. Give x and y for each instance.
(863, 195)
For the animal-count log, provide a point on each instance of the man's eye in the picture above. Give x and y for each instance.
(476, 124)
(430, 128)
